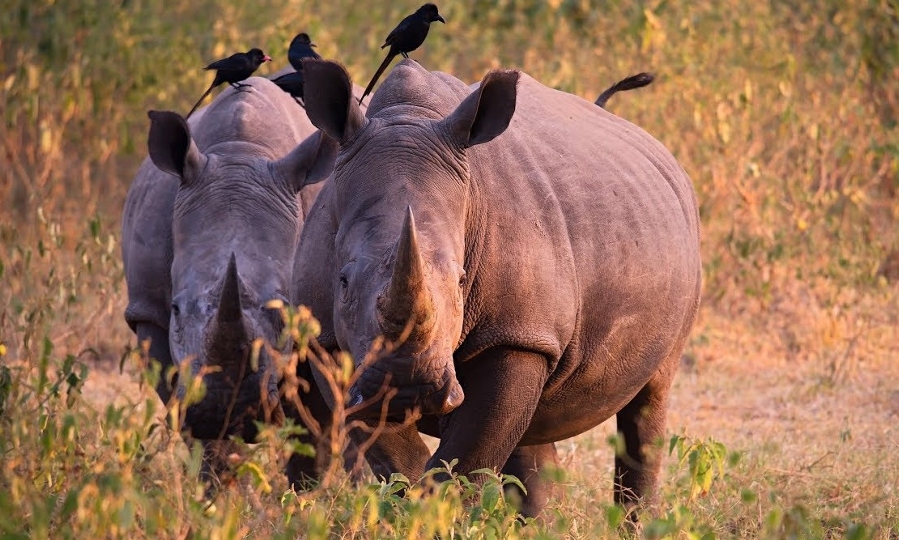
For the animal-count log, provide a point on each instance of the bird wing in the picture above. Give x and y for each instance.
(235, 61)
(400, 29)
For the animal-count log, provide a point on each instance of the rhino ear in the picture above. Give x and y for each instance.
(310, 162)
(171, 147)
(486, 112)
(328, 94)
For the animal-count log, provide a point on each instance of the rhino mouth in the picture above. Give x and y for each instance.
(227, 411)
(370, 392)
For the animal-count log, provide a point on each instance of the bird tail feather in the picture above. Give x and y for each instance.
(206, 93)
(378, 73)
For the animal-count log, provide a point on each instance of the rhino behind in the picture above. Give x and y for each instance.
(209, 235)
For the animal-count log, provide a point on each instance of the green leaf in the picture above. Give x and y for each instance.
(95, 227)
(614, 516)
(512, 479)
(748, 496)
(676, 440)
(490, 496)
(857, 531)
(399, 478)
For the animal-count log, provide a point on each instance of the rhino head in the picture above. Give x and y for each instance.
(400, 205)
(235, 226)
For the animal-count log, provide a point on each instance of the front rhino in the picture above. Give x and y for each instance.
(551, 274)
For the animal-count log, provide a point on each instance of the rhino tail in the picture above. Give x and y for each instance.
(630, 83)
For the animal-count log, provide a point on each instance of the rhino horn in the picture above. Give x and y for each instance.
(407, 304)
(228, 337)
(229, 310)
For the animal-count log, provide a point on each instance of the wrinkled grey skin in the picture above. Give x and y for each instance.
(209, 235)
(543, 251)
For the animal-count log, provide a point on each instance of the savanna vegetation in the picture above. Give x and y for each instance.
(784, 416)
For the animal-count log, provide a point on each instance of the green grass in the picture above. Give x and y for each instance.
(783, 114)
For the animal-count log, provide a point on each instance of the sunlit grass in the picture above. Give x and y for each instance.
(783, 114)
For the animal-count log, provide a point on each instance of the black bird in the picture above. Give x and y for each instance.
(232, 70)
(292, 83)
(634, 81)
(300, 48)
(405, 38)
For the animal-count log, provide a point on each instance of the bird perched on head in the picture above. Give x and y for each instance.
(405, 38)
(300, 48)
(232, 70)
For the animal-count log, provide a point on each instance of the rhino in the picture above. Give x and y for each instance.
(531, 260)
(209, 235)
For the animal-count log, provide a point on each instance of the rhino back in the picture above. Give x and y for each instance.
(265, 117)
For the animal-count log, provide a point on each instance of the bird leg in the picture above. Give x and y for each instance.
(405, 55)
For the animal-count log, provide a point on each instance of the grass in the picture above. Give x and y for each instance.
(784, 115)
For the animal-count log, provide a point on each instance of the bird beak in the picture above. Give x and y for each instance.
(313, 45)
(439, 18)
(266, 58)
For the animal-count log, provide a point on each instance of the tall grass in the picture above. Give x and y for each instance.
(785, 115)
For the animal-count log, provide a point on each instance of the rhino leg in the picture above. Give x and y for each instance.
(502, 390)
(216, 468)
(159, 351)
(641, 424)
(304, 471)
(527, 464)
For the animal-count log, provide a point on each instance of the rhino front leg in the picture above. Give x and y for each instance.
(641, 424)
(216, 467)
(305, 471)
(527, 463)
(159, 351)
(502, 388)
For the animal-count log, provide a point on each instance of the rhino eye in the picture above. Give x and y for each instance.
(344, 287)
(176, 309)
(462, 279)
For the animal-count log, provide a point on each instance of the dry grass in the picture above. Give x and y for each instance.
(784, 115)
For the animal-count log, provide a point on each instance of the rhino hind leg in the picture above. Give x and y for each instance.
(528, 464)
(641, 424)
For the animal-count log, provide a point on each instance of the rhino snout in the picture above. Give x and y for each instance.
(446, 400)
(439, 399)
